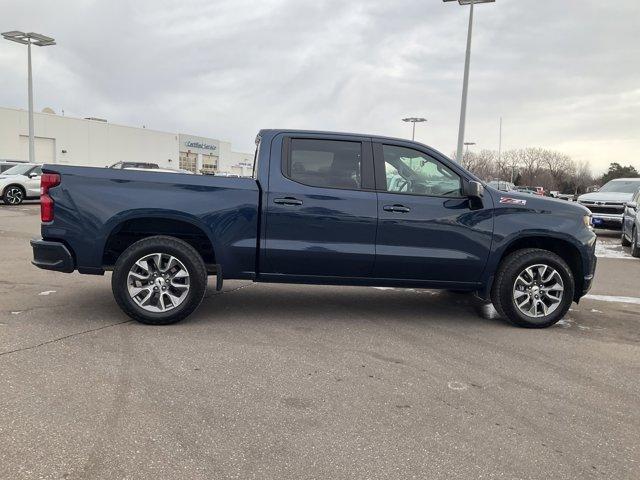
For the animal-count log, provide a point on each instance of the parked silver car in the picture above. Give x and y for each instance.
(631, 225)
(20, 182)
(607, 204)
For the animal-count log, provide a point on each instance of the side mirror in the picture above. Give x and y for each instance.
(473, 189)
(632, 205)
(33, 175)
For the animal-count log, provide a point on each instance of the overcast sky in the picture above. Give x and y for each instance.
(564, 74)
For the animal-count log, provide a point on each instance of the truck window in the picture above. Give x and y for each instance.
(413, 172)
(325, 163)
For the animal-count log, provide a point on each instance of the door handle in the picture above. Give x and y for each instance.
(396, 208)
(287, 201)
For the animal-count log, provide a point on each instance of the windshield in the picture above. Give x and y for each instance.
(621, 186)
(18, 169)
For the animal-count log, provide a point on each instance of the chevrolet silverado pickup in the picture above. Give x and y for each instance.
(607, 205)
(321, 208)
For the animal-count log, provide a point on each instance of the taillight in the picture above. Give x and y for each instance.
(47, 181)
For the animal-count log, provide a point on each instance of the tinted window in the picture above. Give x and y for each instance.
(411, 171)
(37, 171)
(326, 163)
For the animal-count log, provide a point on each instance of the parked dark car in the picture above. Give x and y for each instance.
(631, 224)
(321, 208)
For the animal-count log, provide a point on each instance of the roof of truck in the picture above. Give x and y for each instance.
(346, 134)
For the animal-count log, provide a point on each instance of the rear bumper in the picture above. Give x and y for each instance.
(52, 256)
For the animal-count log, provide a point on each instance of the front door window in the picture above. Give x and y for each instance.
(413, 172)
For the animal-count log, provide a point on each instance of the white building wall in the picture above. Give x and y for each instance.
(85, 142)
(75, 141)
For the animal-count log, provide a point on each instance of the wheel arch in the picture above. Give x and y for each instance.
(124, 231)
(561, 246)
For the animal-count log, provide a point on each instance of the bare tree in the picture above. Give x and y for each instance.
(531, 166)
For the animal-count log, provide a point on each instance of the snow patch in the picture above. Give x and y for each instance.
(612, 250)
(457, 386)
(47, 292)
(613, 298)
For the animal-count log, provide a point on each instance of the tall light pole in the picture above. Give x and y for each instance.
(465, 82)
(29, 39)
(467, 144)
(414, 120)
(500, 142)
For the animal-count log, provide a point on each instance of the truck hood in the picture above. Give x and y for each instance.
(605, 197)
(528, 201)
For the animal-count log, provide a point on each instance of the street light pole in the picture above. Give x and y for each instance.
(467, 145)
(465, 82)
(500, 143)
(414, 120)
(465, 87)
(28, 39)
(32, 151)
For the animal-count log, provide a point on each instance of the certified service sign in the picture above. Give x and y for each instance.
(204, 146)
(198, 144)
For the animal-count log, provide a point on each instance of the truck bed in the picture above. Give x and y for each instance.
(92, 204)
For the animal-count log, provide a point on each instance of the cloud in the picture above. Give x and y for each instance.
(562, 74)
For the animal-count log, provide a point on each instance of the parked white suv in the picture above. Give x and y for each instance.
(20, 183)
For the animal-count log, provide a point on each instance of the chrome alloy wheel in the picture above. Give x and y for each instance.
(158, 282)
(14, 195)
(538, 290)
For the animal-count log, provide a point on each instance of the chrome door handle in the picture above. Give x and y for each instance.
(287, 201)
(396, 208)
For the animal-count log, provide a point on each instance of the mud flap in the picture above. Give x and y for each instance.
(219, 279)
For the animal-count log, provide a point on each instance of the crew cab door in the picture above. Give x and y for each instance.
(321, 211)
(427, 229)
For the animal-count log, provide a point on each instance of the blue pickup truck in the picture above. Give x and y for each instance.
(321, 208)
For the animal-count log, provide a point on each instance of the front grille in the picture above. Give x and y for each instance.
(606, 210)
(605, 207)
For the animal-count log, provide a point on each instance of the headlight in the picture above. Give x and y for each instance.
(587, 221)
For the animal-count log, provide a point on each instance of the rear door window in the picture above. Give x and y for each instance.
(325, 163)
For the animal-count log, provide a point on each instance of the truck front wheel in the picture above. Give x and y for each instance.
(159, 280)
(533, 288)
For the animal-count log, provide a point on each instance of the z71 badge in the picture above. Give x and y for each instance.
(513, 201)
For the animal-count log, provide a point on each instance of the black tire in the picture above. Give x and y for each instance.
(179, 249)
(635, 243)
(623, 239)
(13, 195)
(502, 292)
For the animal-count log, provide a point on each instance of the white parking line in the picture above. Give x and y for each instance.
(613, 298)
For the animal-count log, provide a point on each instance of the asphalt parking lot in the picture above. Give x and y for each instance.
(278, 381)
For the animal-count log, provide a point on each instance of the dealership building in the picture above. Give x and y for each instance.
(95, 142)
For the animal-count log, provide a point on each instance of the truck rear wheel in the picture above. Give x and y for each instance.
(533, 288)
(159, 280)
